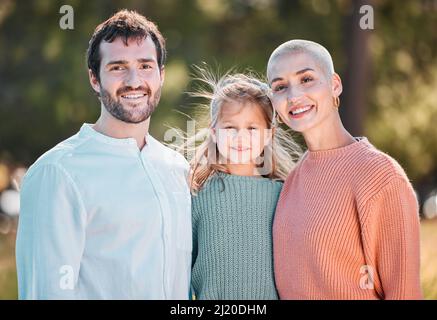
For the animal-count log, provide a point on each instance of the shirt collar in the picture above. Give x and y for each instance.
(87, 131)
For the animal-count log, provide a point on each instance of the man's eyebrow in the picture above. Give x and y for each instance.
(141, 60)
(146, 60)
(116, 62)
(297, 73)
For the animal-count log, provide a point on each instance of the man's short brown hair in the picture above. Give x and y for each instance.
(127, 25)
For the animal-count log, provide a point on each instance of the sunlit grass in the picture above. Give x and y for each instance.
(8, 276)
(429, 259)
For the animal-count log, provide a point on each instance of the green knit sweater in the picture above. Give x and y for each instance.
(232, 238)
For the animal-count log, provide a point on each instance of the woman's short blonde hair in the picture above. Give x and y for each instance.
(316, 51)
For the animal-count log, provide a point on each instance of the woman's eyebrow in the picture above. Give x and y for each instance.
(297, 73)
(275, 80)
(304, 70)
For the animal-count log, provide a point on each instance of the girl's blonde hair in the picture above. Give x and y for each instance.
(238, 88)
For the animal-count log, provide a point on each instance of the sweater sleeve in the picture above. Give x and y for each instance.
(391, 234)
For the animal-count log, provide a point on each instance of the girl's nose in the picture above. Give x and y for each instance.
(243, 136)
(242, 133)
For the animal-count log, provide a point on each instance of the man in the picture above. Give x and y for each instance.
(106, 214)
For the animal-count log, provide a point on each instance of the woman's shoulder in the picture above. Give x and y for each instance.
(376, 169)
(376, 163)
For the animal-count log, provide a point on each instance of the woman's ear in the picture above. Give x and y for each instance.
(93, 81)
(213, 135)
(337, 86)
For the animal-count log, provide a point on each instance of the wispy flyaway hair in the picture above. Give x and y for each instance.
(240, 88)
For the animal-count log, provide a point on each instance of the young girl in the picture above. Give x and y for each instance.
(237, 175)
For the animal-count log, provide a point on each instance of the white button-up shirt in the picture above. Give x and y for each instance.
(101, 219)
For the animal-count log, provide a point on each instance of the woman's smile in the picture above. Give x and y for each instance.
(300, 111)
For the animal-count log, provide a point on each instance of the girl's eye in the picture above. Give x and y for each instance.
(253, 128)
(307, 79)
(231, 131)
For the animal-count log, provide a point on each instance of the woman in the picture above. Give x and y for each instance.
(346, 224)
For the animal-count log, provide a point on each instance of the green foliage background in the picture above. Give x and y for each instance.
(45, 95)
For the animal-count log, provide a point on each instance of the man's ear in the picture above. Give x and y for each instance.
(337, 86)
(162, 73)
(93, 81)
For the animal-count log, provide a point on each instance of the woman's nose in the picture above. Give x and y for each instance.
(293, 95)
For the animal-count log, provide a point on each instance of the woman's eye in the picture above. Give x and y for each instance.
(279, 88)
(307, 79)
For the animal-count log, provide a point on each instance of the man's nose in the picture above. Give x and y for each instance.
(133, 79)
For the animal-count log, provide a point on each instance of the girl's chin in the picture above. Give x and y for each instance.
(240, 161)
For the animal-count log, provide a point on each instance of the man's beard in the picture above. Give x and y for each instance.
(134, 114)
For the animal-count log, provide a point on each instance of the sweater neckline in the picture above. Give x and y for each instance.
(229, 176)
(359, 143)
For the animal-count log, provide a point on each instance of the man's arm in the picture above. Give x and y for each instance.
(51, 234)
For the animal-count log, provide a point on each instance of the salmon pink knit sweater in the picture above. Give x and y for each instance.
(347, 227)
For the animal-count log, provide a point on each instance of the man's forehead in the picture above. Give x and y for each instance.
(135, 49)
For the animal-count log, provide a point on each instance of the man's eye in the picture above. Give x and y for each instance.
(116, 68)
(146, 66)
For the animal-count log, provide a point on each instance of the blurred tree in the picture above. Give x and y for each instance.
(356, 73)
(389, 73)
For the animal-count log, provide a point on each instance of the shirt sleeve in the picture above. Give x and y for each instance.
(392, 233)
(50, 236)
